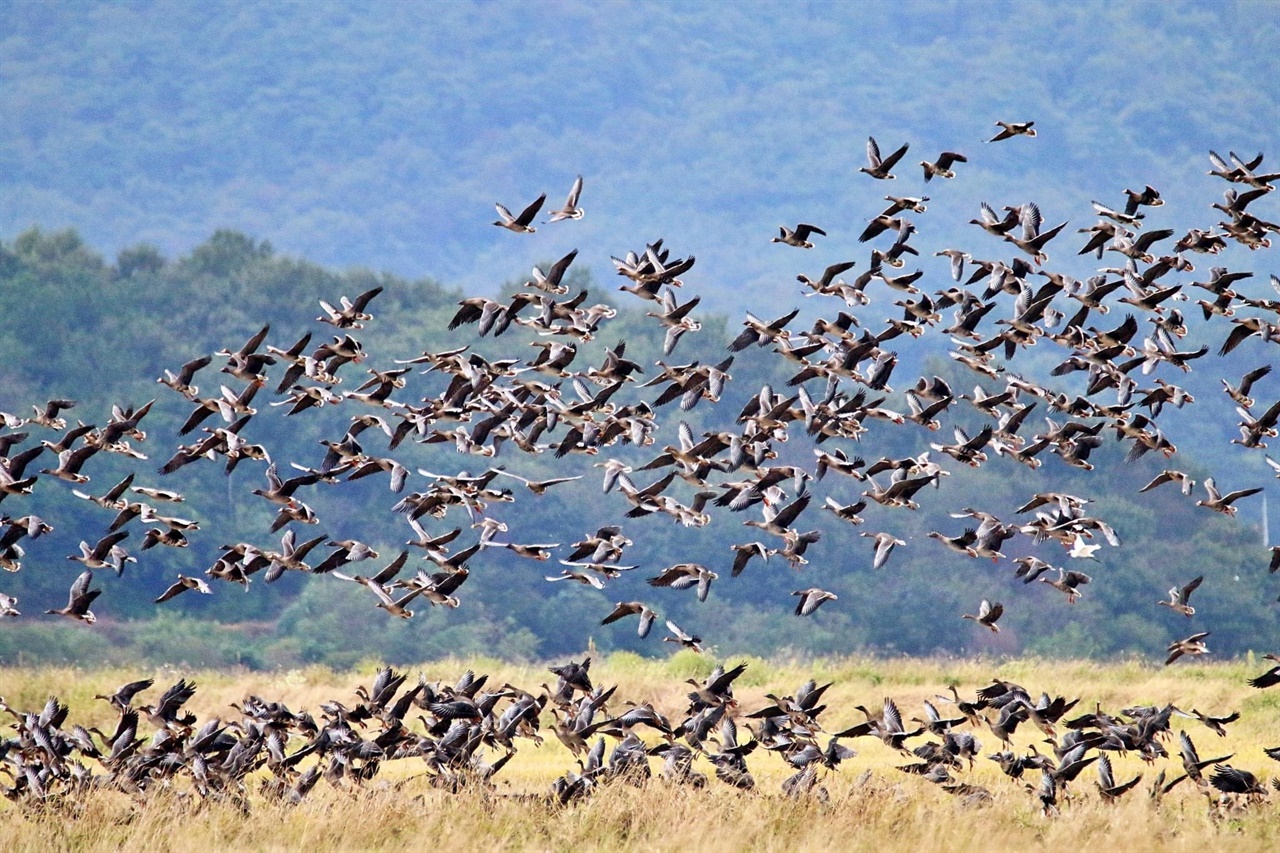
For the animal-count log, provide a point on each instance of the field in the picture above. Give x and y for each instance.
(869, 803)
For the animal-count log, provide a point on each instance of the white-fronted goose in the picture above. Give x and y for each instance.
(878, 167)
(520, 224)
(1008, 130)
(570, 210)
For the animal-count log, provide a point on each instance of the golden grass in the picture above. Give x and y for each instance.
(872, 806)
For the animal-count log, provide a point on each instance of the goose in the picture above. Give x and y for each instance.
(942, 167)
(1170, 476)
(121, 699)
(1223, 503)
(550, 281)
(352, 314)
(183, 584)
(570, 210)
(1193, 645)
(988, 614)
(9, 605)
(744, 552)
(799, 237)
(685, 575)
(877, 167)
(1068, 583)
(520, 224)
(678, 635)
(1178, 596)
(811, 599)
(1271, 677)
(885, 543)
(633, 608)
(79, 599)
(1008, 130)
(101, 554)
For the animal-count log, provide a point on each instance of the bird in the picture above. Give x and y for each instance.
(1223, 503)
(1193, 645)
(678, 635)
(122, 698)
(1170, 476)
(520, 224)
(632, 608)
(1008, 130)
(1069, 583)
(811, 599)
(684, 576)
(570, 210)
(352, 314)
(879, 168)
(1271, 677)
(799, 237)
(988, 614)
(1178, 596)
(885, 543)
(183, 584)
(79, 599)
(942, 167)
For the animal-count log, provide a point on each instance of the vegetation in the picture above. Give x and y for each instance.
(871, 804)
(380, 137)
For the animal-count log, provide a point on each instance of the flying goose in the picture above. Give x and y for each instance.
(631, 608)
(799, 237)
(942, 167)
(183, 584)
(79, 598)
(1193, 645)
(570, 210)
(1178, 596)
(988, 614)
(876, 166)
(1008, 130)
(1223, 503)
(520, 224)
(811, 599)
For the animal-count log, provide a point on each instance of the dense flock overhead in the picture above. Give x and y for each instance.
(494, 410)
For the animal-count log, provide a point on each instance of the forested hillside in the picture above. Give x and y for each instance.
(378, 135)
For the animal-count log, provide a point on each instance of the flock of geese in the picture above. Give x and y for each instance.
(552, 406)
(464, 734)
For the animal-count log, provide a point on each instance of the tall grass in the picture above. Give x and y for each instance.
(870, 805)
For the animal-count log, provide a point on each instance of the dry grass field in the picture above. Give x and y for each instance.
(870, 805)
